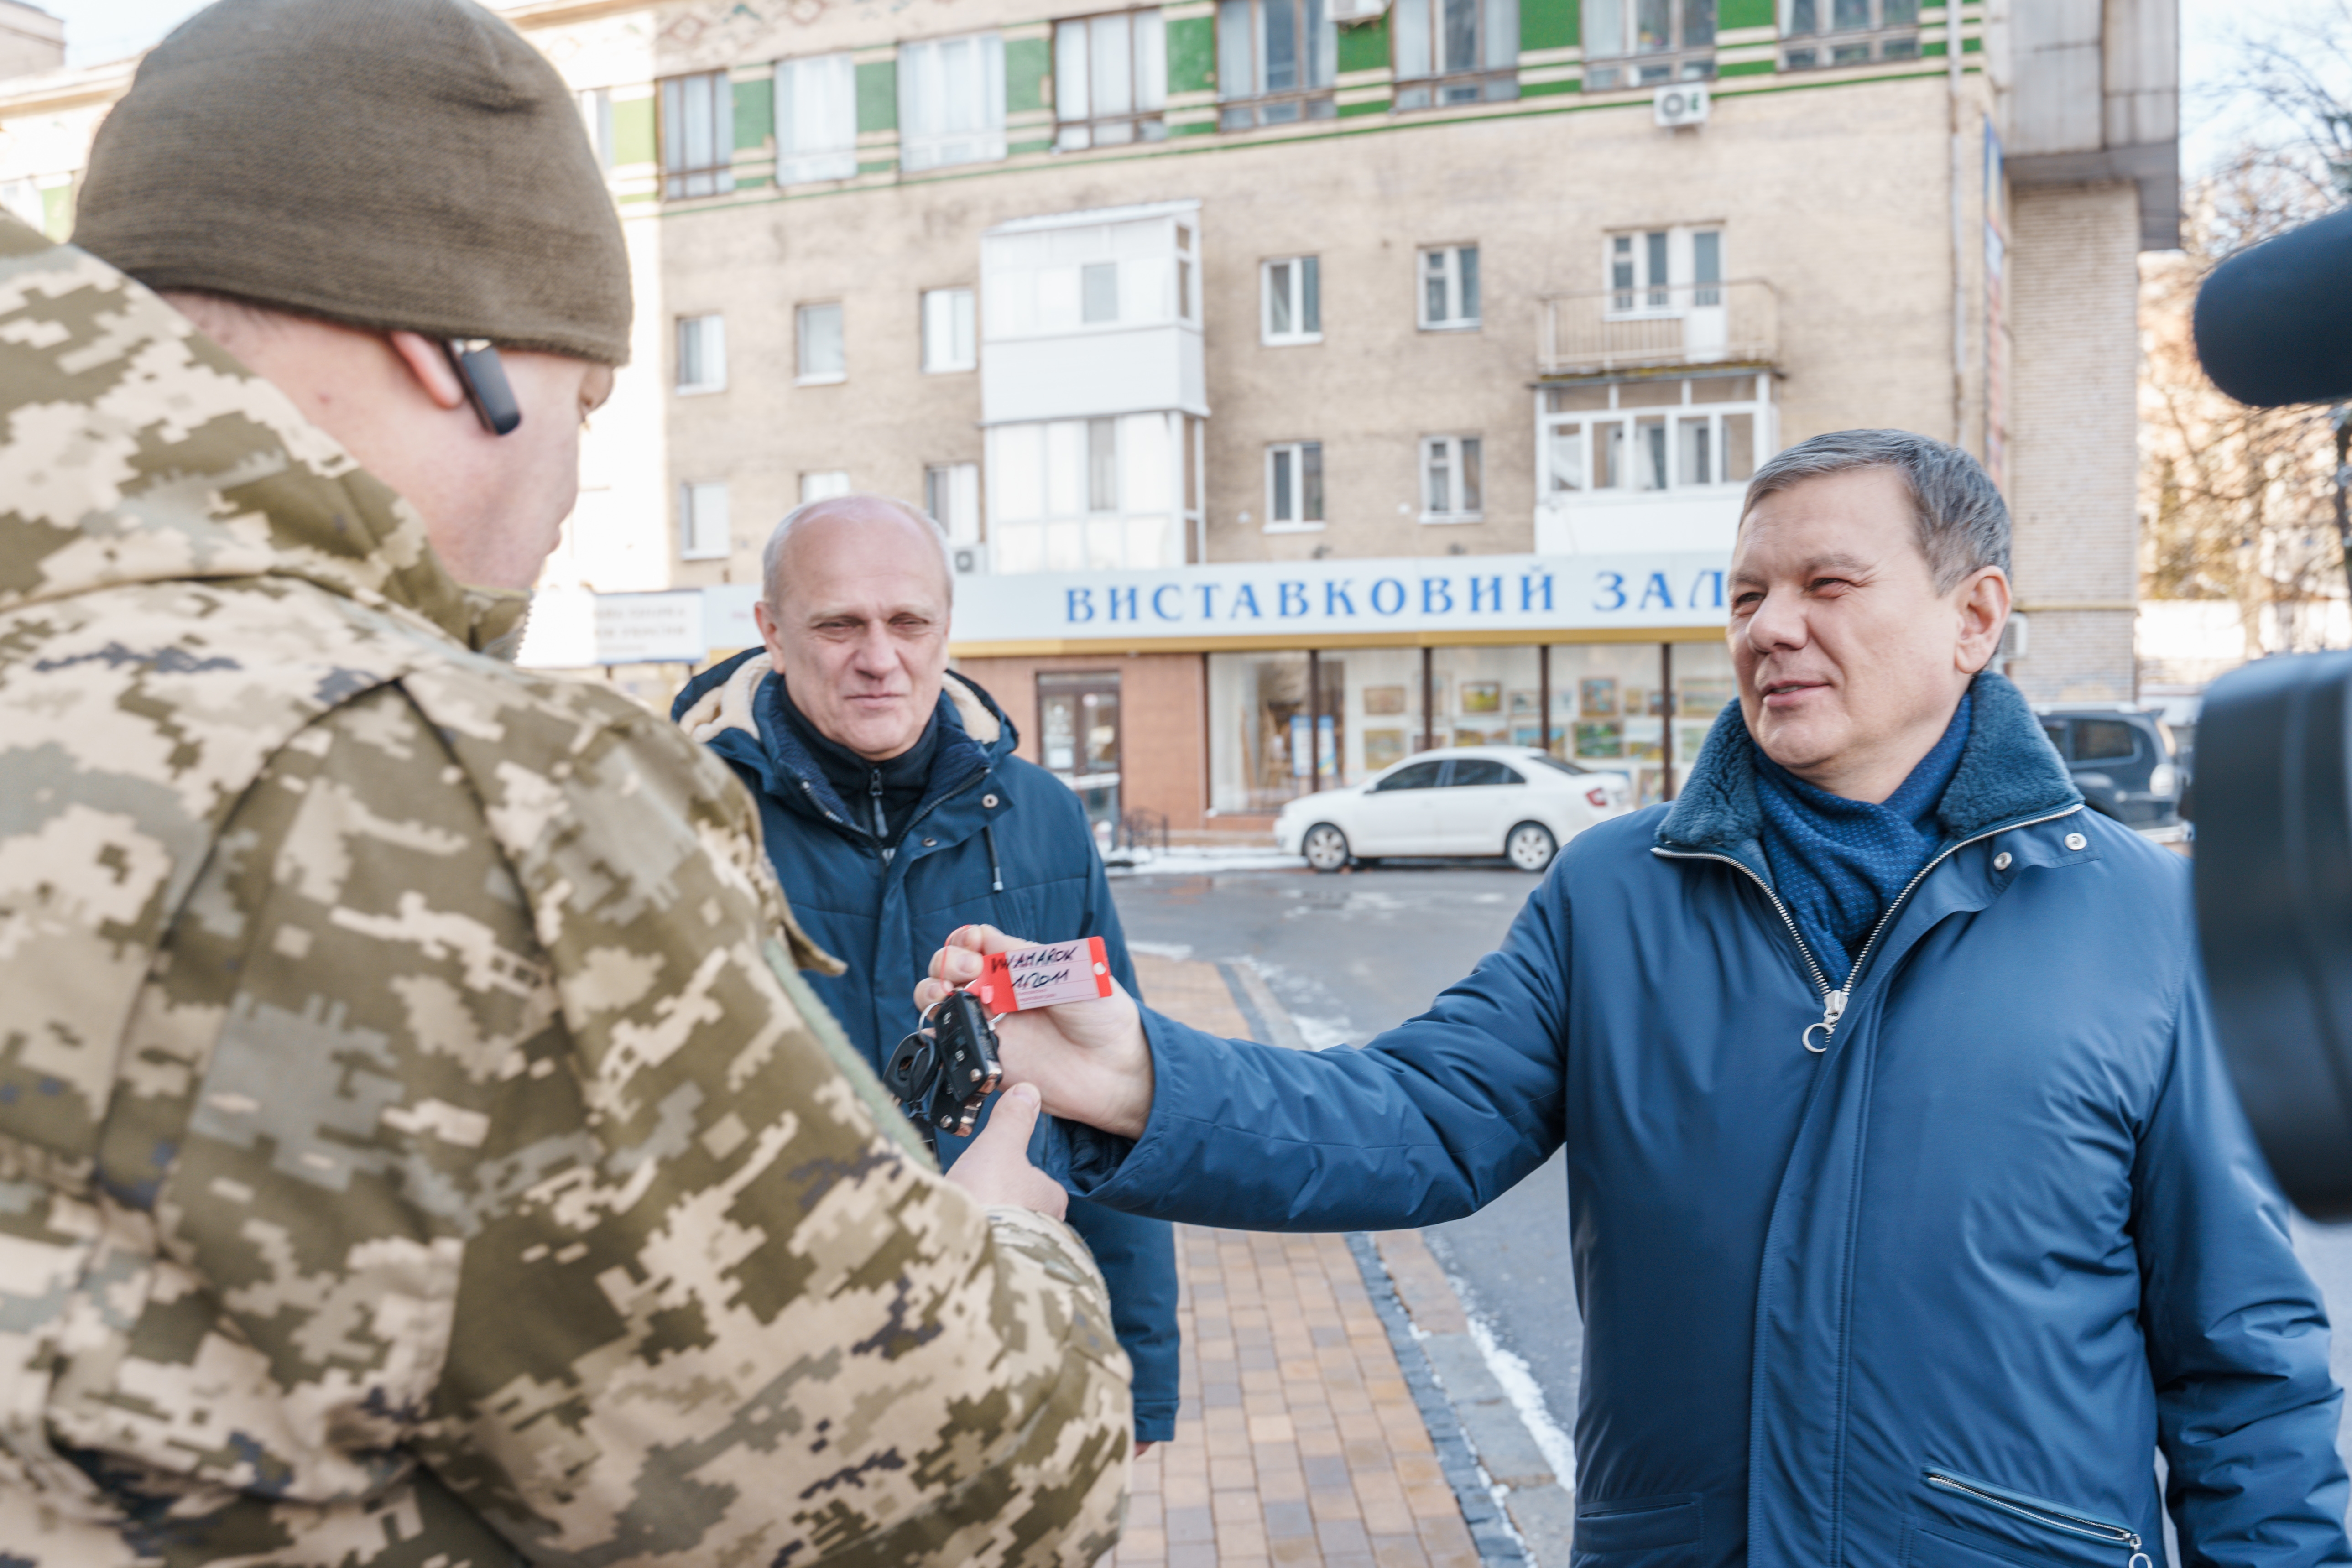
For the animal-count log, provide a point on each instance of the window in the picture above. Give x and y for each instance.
(697, 135)
(1451, 487)
(1471, 772)
(1080, 495)
(824, 485)
(1848, 32)
(2104, 741)
(1632, 43)
(1470, 46)
(596, 116)
(1276, 61)
(1187, 302)
(951, 102)
(1294, 487)
(951, 495)
(701, 354)
(1294, 300)
(1604, 441)
(702, 528)
(823, 358)
(1098, 293)
(1110, 80)
(948, 342)
(816, 118)
(22, 199)
(1665, 271)
(1449, 287)
(1412, 775)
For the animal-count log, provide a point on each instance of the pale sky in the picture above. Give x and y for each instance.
(100, 30)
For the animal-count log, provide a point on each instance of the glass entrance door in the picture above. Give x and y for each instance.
(1078, 715)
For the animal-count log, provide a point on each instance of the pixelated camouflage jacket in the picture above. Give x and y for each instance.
(416, 1147)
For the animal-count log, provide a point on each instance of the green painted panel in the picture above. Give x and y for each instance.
(1193, 54)
(877, 95)
(755, 112)
(1746, 14)
(883, 167)
(1746, 67)
(1546, 88)
(1365, 47)
(752, 182)
(1192, 128)
(633, 131)
(1547, 24)
(1374, 106)
(58, 211)
(1026, 61)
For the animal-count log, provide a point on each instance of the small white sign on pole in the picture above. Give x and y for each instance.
(650, 628)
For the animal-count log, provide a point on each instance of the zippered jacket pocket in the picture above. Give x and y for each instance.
(2058, 1520)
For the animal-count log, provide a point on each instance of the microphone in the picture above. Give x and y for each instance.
(2273, 324)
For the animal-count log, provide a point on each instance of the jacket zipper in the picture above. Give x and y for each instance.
(1833, 998)
(2043, 1513)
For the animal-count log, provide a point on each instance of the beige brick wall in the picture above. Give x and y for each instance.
(2072, 484)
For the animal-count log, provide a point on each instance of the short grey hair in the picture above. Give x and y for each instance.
(772, 558)
(1963, 523)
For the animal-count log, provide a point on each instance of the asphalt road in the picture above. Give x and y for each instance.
(1350, 955)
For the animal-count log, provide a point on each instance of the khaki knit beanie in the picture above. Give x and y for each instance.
(387, 164)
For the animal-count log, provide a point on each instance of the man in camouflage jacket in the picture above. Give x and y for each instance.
(416, 1144)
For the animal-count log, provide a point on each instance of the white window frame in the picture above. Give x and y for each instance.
(1241, 65)
(706, 356)
(1418, 31)
(1299, 289)
(816, 118)
(1101, 101)
(596, 117)
(951, 102)
(1692, 279)
(1827, 43)
(824, 484)
(1584, 428)
(704, 528)
(802, 338)
(1450, 275)
(1617, 56)
(950, 330)
(1296, 457)
(682, 178)
(951, 498)
(1453, 451)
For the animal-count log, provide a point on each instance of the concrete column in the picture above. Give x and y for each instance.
(2074, 456)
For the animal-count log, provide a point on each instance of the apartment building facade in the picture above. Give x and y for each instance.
(1303, 384)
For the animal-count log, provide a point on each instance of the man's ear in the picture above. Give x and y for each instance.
(429, 366)
(1983, 606)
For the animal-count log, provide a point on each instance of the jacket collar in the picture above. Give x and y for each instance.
(2008, 772)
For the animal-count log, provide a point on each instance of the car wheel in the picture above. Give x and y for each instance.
(1325, 847)
(1531, 846)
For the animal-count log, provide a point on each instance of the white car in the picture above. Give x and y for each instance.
(1511, 801)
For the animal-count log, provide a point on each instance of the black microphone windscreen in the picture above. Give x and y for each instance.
(2273, 324)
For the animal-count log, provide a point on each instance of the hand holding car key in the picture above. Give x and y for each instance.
(945, 1071)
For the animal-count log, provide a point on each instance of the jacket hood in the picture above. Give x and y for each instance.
(726, 697)
(2008, 771)
(140, 451)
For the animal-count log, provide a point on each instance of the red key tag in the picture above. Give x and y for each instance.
(1045, 976)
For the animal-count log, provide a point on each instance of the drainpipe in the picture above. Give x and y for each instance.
(1960, 245)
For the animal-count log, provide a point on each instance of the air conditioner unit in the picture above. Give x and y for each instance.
(1684, 103)
(969, 559)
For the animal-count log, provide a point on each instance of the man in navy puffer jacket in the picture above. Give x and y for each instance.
(895, 811)
(1913, 1214)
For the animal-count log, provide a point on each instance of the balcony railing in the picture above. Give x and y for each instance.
(1737, 322)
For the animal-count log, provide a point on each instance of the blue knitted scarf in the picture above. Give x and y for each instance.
(1838, 862)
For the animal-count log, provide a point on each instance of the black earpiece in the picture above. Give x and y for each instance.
(477, 362)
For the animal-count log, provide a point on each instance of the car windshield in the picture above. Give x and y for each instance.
(1555, 763)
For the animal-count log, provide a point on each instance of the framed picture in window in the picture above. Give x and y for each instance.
(1482, 696)
(1526, 704)
(1382, 747)
(1600, 698)
(1468, 737)
(1600, 740)
(1382, 701)
(1528, 735)
(1705, 699)
(1688, 739)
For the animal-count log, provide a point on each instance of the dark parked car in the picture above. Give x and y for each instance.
(2123, 759)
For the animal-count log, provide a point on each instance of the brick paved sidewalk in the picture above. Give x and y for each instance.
(1298, 1440)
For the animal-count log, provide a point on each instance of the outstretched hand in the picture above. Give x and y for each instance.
(1089, 1059)
(996, 1169)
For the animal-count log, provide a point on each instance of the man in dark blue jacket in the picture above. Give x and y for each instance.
(1913, 1214)
(895, 811)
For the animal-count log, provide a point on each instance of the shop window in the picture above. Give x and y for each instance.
(1607, 711)
(948, 339)
(697, 135)
(1292, 289)
(1693, 433)
(1276, 62)
(951, 102)
(1449, 287)
(1487, 695)
(701, 354)
(1110, 80)
(1455, 52)
(816, 118)
(702, 521)
(951, 495)
(824, 484)
(1294, 487)
(1703, 684)
(1453, 486)
(823, 357)
(1284, 725)
(1847, 32)
(1635, 43)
